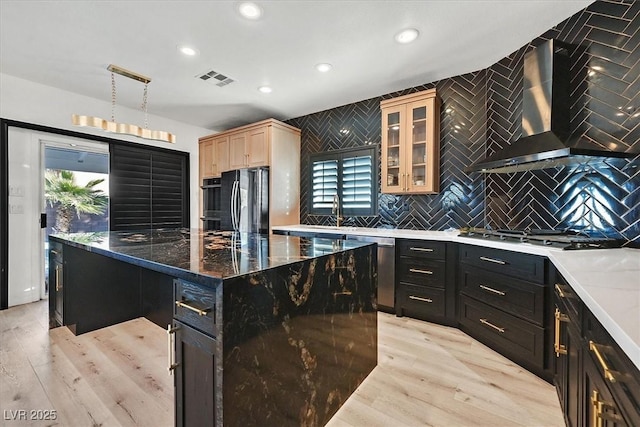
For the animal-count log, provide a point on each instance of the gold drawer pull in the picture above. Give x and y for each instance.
(413, 248)
(429, 300)
(559, 348)
(559, 291)
(495, 291)
(170, 344)
(347, 293)
(598, 413)
(493, 260)
(608, 372)
(200, 311)
(416, 270)
(491, 325)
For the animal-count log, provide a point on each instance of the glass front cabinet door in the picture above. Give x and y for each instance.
(411, 144)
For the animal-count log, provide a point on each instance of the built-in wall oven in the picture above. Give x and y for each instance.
(212, 203)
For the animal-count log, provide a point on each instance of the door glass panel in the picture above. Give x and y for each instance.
(393, 165)
(419, 133)
(393, 128)
(418, 175)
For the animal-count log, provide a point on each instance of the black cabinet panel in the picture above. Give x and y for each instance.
(195, 305)
(423, 272)
(157, 297)
(523, 299)
(426, 280)
(519, 265)
(94, 299)
(56, 285)
(196, 382)
(618, 373)
(421, 249)
(568, 352)
(517, 339)
(421, 302)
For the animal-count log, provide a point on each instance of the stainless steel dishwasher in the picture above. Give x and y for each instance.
(386, 270)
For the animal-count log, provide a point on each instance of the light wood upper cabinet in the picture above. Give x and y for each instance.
(411, 144)
(214, 156)
(249, 148)
(237, 150)
(206, 158)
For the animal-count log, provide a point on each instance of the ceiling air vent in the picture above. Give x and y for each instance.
(215, 78)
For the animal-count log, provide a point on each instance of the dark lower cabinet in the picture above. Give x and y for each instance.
(56, 285)
(597, 384)
(598, 406)
(198, 363)
(568, 351)
(425, 280)
(196, 358)
(504, 302)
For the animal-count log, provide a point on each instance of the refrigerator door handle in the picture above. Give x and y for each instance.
(234, 204)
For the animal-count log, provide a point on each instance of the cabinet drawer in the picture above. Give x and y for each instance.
(423, 272)
(421, 248)
(507, 334)
(195, 305)
(420, 301)
(522, 266)
(517, 297)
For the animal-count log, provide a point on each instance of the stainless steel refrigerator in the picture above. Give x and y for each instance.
(245, 200)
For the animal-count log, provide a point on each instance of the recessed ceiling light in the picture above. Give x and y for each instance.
(188, 50)
(407, 36)
(250, 10)
(265, 89)
(324, 67)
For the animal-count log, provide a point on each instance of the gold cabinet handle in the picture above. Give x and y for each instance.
(495, 291)
(345, 293)
(57, 278)
(413, 248)
(172, 365)
(598, 414)
(608, 372)
(200, 311)
(417, 270)
(413, 297)
(559, 291)
(493, 260)
(559, 317)
(491, 325)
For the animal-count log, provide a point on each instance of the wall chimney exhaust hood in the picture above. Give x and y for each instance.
(545, 120)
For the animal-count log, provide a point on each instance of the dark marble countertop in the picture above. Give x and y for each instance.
(218, 255)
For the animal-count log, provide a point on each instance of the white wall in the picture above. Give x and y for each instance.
(31, 102)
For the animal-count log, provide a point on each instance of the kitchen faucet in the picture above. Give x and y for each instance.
(335, 210)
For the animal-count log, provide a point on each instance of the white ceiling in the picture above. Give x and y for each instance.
(69, 44)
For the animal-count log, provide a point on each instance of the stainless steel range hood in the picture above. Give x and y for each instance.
(545, 120)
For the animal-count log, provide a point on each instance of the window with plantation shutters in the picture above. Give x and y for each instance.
(325, 183)
(347, 173)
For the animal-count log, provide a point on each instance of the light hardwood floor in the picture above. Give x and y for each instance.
(427, 375)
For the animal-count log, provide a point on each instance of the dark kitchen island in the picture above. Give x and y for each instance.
(269, 329)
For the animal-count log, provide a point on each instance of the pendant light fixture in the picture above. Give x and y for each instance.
(124, 128)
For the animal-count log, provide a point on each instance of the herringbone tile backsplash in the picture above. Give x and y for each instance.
(481, 112)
